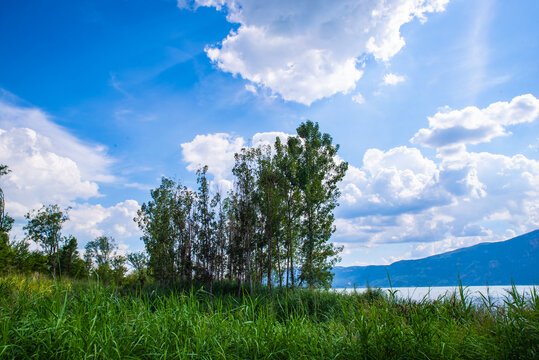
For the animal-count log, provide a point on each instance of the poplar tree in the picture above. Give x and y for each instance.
(206, 245)
(319, 173)
(269, 203)
(220, 233)
(155, 219)
(287, 160)
(185, 225)
(244, 171)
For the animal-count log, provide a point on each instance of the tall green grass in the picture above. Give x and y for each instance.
(42, 319)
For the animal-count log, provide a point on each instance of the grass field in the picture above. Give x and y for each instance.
(43, 319)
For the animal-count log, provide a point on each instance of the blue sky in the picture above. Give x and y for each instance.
(433, 103)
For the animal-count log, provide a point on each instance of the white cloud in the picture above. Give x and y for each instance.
(459, 199)
(358, 98)
(89, 221)
(215, 150)
(39, 175)
(472, 125)
(308, 50)
(268, 138)
(49, 165)
(397, 181)
(488, 192)
(251, 88)
(393, 79)
(91, 159)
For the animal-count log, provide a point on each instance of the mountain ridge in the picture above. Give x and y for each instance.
(496, 263)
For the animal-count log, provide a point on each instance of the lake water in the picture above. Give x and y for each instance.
(496, 293)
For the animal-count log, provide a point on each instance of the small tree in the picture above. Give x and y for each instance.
(70, 262)
(6, 222)
(102, 253)
(138, 261)
(101, 250)
(44, 228)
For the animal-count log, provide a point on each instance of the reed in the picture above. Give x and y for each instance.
(43, 319)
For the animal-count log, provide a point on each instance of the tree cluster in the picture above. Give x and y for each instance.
(273, 227)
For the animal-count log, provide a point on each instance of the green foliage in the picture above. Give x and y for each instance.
(138, 260)
(6, 253)
(103, 262)
(276, 222)
(71, 320)
(168, 231)
(318, 176)
(6, 223)
(4, 170)
(44, 228)
(70, 262)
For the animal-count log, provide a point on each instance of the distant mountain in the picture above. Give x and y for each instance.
(496, 263)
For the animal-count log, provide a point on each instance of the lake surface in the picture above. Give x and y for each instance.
(496, 293)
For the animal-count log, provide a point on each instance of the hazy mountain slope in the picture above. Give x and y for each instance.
(495, 263)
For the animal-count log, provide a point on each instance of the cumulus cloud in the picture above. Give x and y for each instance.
(397, 181)
(308, 50)
(472, 125)
(89, 221)
(268, 138)
(393, 79)
(49, 165)
(91, 159)
(39, 175)
(215, 150)
(460, 198)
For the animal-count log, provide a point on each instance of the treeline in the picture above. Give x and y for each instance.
(272, 228)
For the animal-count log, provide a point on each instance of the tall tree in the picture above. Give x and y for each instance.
(205, 217)
(269, 202)
(244, 171)
(169, 230)
(185, 223)
(319, 173)
(156, 220)
(287, 160)
(44, 228)
(220, 233)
